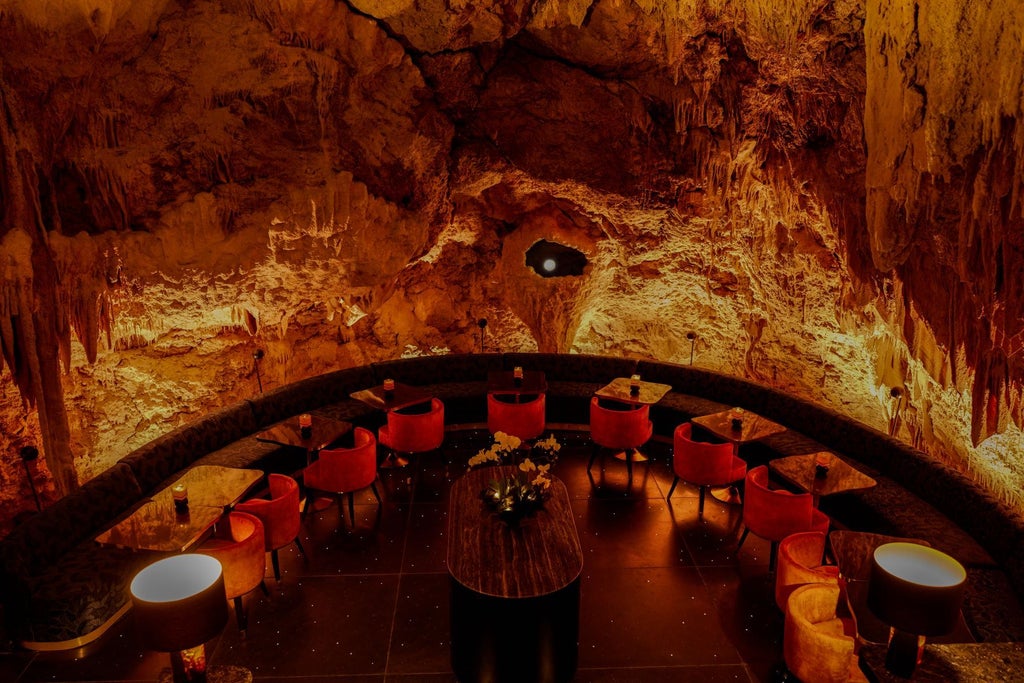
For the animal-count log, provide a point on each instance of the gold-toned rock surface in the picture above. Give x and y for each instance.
(828, 195)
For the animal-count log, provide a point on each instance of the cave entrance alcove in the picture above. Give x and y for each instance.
(551, 259)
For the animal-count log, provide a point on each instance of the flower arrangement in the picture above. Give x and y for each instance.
(520, 494)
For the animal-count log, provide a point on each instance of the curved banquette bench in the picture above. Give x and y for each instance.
(60, 589)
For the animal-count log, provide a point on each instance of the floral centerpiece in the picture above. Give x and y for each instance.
(522, 493)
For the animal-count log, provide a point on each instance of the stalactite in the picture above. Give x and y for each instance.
(36, 329)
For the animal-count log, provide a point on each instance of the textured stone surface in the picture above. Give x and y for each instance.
(825, 193)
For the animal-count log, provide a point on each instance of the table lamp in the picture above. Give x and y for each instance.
(918, 591)
(179, 604)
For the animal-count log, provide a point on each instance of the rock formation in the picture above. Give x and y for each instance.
(825, 192)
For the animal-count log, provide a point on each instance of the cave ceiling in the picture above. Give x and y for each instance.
(825, 192)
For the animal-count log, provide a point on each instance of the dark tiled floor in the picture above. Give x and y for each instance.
(662, 597)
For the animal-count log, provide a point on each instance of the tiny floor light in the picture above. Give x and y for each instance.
(918, 591)
(179, 604)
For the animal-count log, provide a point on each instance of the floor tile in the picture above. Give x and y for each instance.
(419, 641)
(426, 549)
(657, 616)
(628, 533)
(729, 673)
(315, 627)
(373, 546)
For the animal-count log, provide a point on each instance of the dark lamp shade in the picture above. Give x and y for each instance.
(915, 588)
(179, 602)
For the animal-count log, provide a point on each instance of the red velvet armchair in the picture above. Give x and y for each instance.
(409, 432)
(775, 514)
(800, 562)
(626, 430)
(279, 514)
(703, 464)
(343, 471)
(238, 544)
(525, 420)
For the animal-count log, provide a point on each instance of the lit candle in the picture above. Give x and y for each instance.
(737, 418)
(517, 372)
(389, 385)
(305, 420)
(822, 461)
(180, 495)
(634, 384)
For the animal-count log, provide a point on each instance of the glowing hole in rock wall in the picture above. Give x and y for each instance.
(551, 259)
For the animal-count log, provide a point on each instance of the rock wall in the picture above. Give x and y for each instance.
(804, 187)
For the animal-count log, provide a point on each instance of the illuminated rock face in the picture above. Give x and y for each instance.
(827, 198)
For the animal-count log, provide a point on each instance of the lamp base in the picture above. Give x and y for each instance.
(214, 674)
(904, 653)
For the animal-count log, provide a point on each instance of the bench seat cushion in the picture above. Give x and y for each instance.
(86, 587)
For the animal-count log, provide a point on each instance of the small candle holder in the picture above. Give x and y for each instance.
(822, 463)
(180, 495)
(736, 418)
(634, 385)
(517, 375)
(305, 425)
(389, 388)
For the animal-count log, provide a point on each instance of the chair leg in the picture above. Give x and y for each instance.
(276, 563)
(700, 503)
(352, 507)
(773, 556)
(263, 587)
(305, 507)
(240, 614)
(376, 493)
(629, 466)
(298, 544)
(593, 456)
(673, 487)
(746, 531)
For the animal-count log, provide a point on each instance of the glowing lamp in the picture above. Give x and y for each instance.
(180, 604)
(918, 591)
(549, 265)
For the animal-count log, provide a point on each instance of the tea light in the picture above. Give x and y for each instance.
(634, 384)
(305, 420)
(389, 385)
(822, 461)
(517, 372)
(737, 418)
(180, 495)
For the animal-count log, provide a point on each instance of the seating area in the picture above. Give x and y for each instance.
(61, 589)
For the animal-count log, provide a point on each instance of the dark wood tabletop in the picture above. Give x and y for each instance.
(752, 428)
(620, 389)
(403, 396)
(504, 382)
(323, 432)
(802, 472)
(156, 525)
(540, 556)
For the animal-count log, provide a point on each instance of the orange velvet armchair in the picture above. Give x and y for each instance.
(625, 430)
(703, 464)
(238, 544)
(819, 647)
(343, 471)
(525, 420)
(279, 514)
(800, 562)
(775, 514)
(411, 432)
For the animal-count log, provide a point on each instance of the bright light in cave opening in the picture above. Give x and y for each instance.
(549, 265)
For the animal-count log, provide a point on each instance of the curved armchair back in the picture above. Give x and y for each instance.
(239, 546)
(619, 428)
(710, 464)
(414, 432)
(775, 514)
(279, 514)
(343, 470)
(816, 645)
(799, 563)
(525, 420)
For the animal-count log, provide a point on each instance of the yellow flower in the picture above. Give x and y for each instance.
(527, 465)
